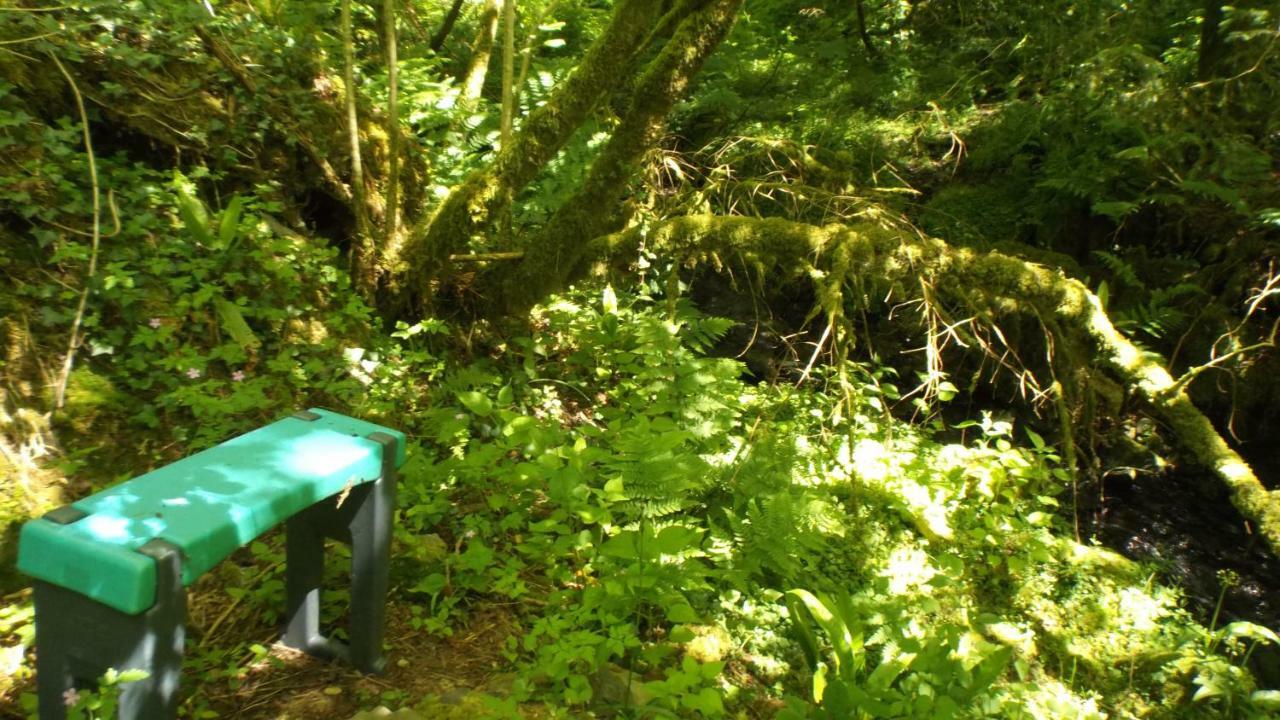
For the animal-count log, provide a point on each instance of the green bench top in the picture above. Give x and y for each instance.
(208, 505)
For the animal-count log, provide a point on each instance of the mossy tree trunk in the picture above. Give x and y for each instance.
(597, 207)
(987, 285)
(472, 79)
(472, 204)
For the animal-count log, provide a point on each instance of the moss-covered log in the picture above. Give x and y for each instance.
(595, 209)
(471, 204)
(990, 285)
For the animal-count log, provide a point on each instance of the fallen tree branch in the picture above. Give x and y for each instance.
(486, 257)
(990, 284)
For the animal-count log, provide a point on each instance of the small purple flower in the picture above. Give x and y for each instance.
(154, 323)
(237, 375)
(70, 697)
(193, 373)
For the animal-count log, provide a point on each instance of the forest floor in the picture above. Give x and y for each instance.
(1180, 521)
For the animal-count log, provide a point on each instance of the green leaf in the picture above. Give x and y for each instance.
(614, 489)
(609, 301)
(476, 402)
(622, 545)
(682, 613)
(1138, 152)
(195, 218)
(233, 323)
(675, 539)
(1114, 209)
(1266, 699)
(680, 634)
(707, 702)
(230, 223)
(1252, 631)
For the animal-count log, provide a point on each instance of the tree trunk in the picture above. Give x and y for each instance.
(1211, 45)
(481, 52)
(446, 26)
(598, 207)
(508, 69)
(872, 55)
(470, 205)
(392, 219)
(362, 246)
(987, 285)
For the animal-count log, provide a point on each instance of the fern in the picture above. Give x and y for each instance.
(701, 333)
(1120, 268)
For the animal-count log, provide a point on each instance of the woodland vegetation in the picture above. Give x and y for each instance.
(759, 358)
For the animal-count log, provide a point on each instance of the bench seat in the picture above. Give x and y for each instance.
(207, 505)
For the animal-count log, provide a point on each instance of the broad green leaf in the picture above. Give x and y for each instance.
(707, 702)
(195, 218)
(622, 545)
(682, 613)
(1266, 699)
(1252, 631)
(233, 323)
(230, 223)
(675, 539)
(476, 402)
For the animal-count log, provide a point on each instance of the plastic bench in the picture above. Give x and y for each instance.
(111, 570)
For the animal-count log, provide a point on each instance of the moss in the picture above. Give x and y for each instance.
(989, 285)
(470, 206)
(560, 251)
(90, 396)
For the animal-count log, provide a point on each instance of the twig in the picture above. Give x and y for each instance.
(1191, 374)
(486, 257)
(17, 41)
(209, 634)
(816, 350)
(60, 389)
(115, 221)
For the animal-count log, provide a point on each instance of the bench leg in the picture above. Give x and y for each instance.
(78, 639)
(364, 521)
(304, 564)
(370, 559)
(53, 665)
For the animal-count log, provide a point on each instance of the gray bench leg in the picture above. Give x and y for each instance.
(78, 639)
(364, 521)
(370, 530)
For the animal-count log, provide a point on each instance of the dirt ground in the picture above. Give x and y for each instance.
(290, 685)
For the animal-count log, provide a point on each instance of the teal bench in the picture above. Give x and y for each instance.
(117, 563)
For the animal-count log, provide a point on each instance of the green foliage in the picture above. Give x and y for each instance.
(641, 510)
